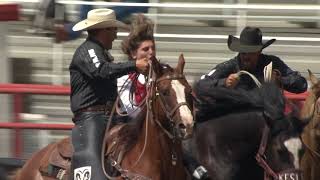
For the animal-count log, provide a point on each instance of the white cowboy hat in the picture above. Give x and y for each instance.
(99, 19)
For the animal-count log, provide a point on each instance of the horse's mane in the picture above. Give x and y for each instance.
(309, 105)
(221, 101)
(128, 135)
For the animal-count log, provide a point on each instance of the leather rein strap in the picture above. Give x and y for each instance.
(261, 158)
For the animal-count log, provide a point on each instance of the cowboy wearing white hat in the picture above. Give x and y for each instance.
(250, 58)
(93, 79)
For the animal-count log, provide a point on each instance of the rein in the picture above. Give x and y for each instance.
(261, 159)
(148, 98)
(151, 87)
(152, 91)
(141, 104)
(267, 72)
(125, 173)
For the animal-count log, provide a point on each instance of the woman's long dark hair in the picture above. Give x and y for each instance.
(141, 30)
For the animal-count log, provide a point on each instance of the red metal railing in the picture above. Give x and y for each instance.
(42, 126)
(19, 90)
(9, 12)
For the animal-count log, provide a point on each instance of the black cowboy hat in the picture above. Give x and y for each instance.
(250, 41)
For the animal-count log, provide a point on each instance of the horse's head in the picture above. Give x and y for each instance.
(173, 96)
(282, 153)
(283, 141)
(311, 107)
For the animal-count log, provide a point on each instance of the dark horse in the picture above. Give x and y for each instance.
(310, 161)
(237, 144)
(149, 147)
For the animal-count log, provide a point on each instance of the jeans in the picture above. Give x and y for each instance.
(87, 138)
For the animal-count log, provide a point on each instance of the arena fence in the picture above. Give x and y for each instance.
(20, 90)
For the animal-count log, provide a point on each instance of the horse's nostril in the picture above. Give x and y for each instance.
(182, 126)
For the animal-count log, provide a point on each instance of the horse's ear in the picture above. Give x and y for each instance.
(156, 66)
(313, 78)
(180, 65)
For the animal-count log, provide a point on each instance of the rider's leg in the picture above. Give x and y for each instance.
(87, 139)
(196, 170)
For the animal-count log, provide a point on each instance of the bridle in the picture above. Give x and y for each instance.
(269, 173)
(171, 133)
(166, 108)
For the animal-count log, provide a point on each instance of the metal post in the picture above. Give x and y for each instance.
(154, 11)
(4, 99)
(227, 11)
(57, 64)
(18, 106)
(318, 14)
(57, 49)
(242, 17)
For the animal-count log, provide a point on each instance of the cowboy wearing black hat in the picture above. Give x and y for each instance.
(250, 58)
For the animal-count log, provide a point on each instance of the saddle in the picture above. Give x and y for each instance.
(58, 164)
(61, 155)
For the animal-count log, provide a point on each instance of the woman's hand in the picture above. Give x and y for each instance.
(142, 65)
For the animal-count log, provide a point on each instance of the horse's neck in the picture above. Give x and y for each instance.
(157, 138)
(310, 112)
(156, 147)
(309, 106)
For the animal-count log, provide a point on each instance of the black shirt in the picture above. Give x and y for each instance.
(93, 75)
(291, 80)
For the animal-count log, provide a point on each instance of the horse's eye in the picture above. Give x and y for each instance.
(282, 151)
(166, 93)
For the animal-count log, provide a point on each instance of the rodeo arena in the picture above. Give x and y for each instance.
(35, 91)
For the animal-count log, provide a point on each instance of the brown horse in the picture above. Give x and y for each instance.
(310, 161)
(149, 147)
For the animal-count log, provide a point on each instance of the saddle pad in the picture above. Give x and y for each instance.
(112, 139)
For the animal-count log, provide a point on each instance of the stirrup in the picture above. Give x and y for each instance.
(200, 173)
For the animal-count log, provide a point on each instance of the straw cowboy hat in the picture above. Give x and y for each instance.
(250, 41)
(99, 19)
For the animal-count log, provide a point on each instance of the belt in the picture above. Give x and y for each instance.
(97, 108)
